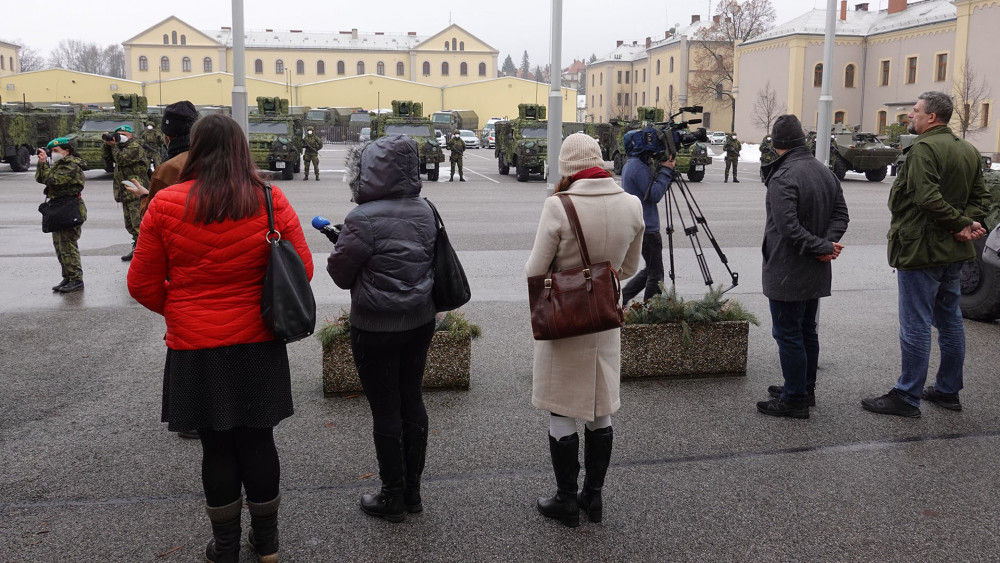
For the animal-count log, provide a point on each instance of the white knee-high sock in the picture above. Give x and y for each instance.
(599, 422)
(561, 426)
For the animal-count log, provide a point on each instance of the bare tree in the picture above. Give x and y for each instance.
(970, 91)
(73, 54)
(734, 21)
(31, 59)
(622, 107)
(766, 108)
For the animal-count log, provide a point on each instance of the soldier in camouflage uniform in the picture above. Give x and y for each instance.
(312, 144)
(131, 163)
(457, 147)
(153, 143)
(64, 178)
(732, 148)
(767, 154)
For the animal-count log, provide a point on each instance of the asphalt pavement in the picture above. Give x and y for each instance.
(87, 471)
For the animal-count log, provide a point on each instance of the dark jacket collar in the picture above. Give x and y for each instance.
(798, 153)
(178, 145)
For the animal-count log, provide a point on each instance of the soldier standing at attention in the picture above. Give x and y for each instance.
(153, 144)
(131, 163)
(312, 144)
(732, 148)
(457, 147)
(64, 178)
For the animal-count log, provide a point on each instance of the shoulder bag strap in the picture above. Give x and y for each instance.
(437, 216)
(269, 205)
(574, 222)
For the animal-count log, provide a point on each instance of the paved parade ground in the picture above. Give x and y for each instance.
(88, 473)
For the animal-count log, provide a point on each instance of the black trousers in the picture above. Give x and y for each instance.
(391, 368)
(651, 276)
(239, 458)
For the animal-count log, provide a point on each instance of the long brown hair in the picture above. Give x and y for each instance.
(563, 184)
(227, 184)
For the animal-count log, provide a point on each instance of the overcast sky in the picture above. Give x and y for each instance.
(510, 26)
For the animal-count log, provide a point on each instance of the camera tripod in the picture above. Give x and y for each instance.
(696, 218)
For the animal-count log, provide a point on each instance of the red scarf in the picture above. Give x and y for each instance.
(590, 173)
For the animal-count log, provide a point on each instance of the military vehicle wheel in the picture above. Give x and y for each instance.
(21, 160)
(980, 288)
(502, 165)
(433, 175)
(286, 172)
(876, 175)
(298, 166)
(840, 167)
(696, 176)
(522, 174)
(620, 163)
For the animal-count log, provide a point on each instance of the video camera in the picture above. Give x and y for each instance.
(663, 139)
(109, 136)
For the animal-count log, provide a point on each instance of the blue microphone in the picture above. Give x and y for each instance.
(322, 224)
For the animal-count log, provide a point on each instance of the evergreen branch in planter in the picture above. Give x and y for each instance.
(668, 307)
(451, 322)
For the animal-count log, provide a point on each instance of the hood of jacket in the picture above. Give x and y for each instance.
(386, 168)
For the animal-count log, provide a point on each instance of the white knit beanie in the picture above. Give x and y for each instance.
(579, 152)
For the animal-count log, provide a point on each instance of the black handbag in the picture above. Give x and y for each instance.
(287, 304)
(451, 287)
(60, 214)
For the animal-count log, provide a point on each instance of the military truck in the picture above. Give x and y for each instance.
(129, 109)
(407, 119)
(522, 142)
(24, 128)
(980, 299)
(451, 120)
(860, 152)
(332, 123)
(275, 137)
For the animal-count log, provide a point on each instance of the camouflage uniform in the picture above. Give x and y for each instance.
(65, 179)
(154, 144)
(130, 163)
(457, 147)
(767, 154)
(312, 144)
(732, 148)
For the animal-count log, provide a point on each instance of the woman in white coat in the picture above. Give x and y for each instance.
(577, 377)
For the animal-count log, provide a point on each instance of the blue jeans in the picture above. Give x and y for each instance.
(651, 276)
(929, 297)
(793, 325)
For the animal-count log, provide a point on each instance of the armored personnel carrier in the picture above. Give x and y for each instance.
(522, 142)
(407, 118)
(24, 128)
(92, 125)
(275, 137)
(980, 299)
(860, 152)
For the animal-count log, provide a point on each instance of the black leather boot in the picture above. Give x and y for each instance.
(224, 547)
(563, 506)
(388, 503)
(596, 459)
(263, 536)
(128, 257)
(414, 453)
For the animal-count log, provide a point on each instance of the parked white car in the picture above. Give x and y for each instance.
(471, 141)
(717, 137)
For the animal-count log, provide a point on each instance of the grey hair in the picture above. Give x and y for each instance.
(939, 104)
(352, 167)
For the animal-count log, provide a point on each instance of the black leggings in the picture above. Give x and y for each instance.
(239, 458)
(391, 368)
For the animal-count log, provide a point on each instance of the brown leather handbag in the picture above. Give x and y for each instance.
(576, 301)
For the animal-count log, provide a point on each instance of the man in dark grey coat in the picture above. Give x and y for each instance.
(806, 216)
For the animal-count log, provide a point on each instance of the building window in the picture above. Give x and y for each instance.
(426, 68)
(627, 74)
(463, 69)
(849, 76)
(164, 64)
(903, 119)
(881, 123)
(447, 46)
(143, 63)
(482, 69)
(206, 64)
(670, 93)
(184, 40)
(671, 64)
(454, 45)
(380, 68)
(839, 116)
(883, 73)
(818, 75)
(320, 67)
(592, 79)
(444, 69)
(399, 69)
(361, 67)
(911, 70)
(279, 67)
(657, 67)
(619, 77)
(986, 116)
(258, 66)
(619, 98)
(173, 37)
(591, 100)
(166, 39)
(300, 67)
(643, 98)
(461, 45)
(340, 68)
(186, 64)
(657, 100)
(643, 75)
(602, 79)
(635, 99)
(942, 68)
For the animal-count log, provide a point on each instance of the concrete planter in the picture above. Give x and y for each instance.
(657, 350)
(448, 364)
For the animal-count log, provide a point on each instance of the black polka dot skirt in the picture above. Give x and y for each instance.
(226, 387)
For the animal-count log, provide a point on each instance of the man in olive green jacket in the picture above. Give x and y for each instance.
(937, 203)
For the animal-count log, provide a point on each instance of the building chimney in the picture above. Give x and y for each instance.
(863, 7)
(226, 28)
(354, 33)
(896, 6)
(649, 41)
(269, 30)
(843, 10)
(618, 43)
(411, 33)
(695, 18)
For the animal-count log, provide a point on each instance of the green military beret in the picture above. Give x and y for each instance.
(58, 142)
(127, 128)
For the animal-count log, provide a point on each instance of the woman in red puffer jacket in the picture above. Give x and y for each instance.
(200, 262)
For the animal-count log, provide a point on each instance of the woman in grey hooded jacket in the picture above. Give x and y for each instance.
(383, 255)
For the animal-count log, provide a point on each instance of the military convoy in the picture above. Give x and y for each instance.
(275, 137)
(407, 119)
(24, 128)
(522, 142)
(130, 109)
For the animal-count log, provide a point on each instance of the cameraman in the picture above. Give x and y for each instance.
(648, 182)
(131, 163)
